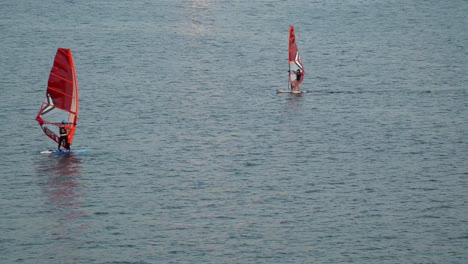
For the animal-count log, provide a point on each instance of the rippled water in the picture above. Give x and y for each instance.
(195, 159)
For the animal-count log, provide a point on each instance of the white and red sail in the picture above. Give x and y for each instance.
(61, 101)
(294, 59)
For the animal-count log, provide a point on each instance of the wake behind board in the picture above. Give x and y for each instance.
(65, 152)
(289, 91)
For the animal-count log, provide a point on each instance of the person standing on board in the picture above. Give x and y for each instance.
(63, 136)
(298, 80)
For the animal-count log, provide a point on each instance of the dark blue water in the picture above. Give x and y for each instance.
(195, 159)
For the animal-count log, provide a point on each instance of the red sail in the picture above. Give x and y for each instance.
(294, 59)
(61, 102)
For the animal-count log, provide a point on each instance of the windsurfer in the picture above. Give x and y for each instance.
(298, 80)
(63, 136)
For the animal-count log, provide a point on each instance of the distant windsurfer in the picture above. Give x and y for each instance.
(63, 136)
(298, 80)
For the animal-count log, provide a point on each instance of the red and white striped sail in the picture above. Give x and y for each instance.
(61, 101)
(294, 59)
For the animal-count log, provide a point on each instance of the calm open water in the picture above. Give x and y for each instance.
(195, 159)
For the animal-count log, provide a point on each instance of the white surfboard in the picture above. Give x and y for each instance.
(289, 91)
(65, 152)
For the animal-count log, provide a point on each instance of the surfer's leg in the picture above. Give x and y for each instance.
(59, 143)
(296, 85)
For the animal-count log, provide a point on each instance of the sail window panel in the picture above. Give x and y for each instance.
(55, 116)
(60, 100)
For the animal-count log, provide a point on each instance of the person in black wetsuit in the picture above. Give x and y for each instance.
(63, 136)
(298, 80)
